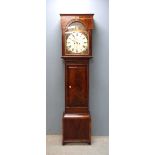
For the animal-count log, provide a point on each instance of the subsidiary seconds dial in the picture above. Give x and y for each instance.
(77, 42)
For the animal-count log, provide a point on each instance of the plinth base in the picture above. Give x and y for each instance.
(76, 128)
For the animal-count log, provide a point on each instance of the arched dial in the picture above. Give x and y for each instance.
(77, 42)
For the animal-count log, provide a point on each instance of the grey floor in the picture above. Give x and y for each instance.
(99, 146)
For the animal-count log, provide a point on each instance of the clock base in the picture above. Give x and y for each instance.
(76, 128)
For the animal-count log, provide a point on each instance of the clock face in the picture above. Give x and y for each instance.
(76, 39)
(77, 43)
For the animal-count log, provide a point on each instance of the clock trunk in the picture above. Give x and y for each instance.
(76, 83)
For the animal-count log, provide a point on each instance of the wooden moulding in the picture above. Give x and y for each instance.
(76, 110)
(76, 57)
(86, 19)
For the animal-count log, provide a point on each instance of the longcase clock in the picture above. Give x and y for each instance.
(76, 52)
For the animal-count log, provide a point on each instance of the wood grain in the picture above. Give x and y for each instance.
(76, 121)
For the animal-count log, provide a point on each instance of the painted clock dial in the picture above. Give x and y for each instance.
(76, 39)
(77, 42)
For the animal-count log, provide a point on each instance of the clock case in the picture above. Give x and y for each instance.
(76, 121)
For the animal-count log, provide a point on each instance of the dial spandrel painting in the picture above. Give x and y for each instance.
(76, 39)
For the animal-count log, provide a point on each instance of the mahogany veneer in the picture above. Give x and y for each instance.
(76, 119)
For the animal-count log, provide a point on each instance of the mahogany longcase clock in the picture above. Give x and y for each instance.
(76, 52)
